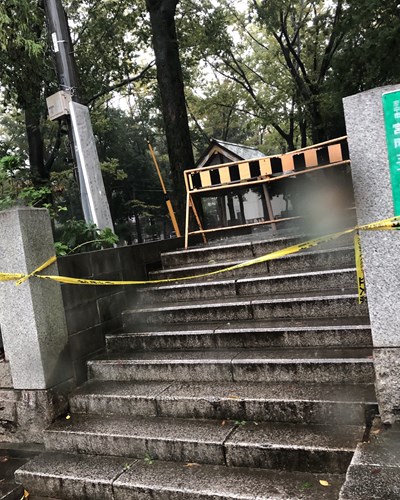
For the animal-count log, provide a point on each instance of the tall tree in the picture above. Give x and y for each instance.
(170, 83)
(308, 35)
(22, 69)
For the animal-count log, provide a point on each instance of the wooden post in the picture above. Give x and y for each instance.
(241, 205)
(187, 220)
(167, 200)
(269, 205)
(197, 218)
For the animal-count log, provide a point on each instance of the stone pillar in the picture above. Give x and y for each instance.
(381, 250)
(32, 321)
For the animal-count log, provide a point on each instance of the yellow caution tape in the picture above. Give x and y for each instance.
(38, 270)
(258, 260)
(11, 277)
(387, 224)
(362, 292)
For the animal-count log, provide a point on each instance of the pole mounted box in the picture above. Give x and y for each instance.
(58, 105)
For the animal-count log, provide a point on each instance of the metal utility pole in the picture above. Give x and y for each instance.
(60, 39)
(65, 104)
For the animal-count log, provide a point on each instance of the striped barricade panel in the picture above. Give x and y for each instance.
(261, 168)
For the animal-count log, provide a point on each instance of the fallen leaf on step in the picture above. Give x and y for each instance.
(3, 459)
(68, 417)
(233, 397)
(192, 464)
(376, 431)
(322, 482)
(223, 423)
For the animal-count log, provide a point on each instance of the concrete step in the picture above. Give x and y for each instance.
(337, 279)
(309, 260)
(232, 251)
(297, 447)
(294, 402)
(309, 448)
(374, 472)
(241, 250)
(247, 334)
(170, 439)
(71, 477)
(279, 365)
(330, 304)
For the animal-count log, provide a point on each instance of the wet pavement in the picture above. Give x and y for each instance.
(12, 457)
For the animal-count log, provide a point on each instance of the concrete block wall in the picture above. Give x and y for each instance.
(93, 311)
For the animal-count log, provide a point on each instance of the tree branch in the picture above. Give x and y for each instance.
(294, 53)
(86, 25)
(333, 44)
(120, 84)
(200, 128)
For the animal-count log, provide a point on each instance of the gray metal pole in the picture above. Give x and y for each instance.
(67, 74)
(63, 52)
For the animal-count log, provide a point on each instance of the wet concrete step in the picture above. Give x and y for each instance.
(310, 260)
(256, 401)
(279, 365)
(339, 279)
(232, 251)
(247, 334)
(309, 448)
(374, 472)
(297, 447)
(69, 476)
(329, 304)
(168, 439)
(242, 250)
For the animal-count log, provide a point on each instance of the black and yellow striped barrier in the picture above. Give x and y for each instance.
(384, 225)
(250, 171)
(259, 172)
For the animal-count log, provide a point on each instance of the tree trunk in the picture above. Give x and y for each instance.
(170, 83)
(317, 126)
(303, 133)
(40, 175)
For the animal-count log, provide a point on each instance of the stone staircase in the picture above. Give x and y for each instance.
(254, 384)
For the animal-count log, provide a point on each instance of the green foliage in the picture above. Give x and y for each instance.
(71, 235)
(111, 169)
(17, 18)
(148, 459)
(14, 182)
(240, 422)
(79, 236)
(270, 73)
(33, 196)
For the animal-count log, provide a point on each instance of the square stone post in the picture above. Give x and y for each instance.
(32, 320)
(381, 249)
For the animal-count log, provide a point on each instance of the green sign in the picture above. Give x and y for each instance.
(391, 111)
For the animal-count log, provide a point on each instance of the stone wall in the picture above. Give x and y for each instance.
(90, 313)
(93, 311)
